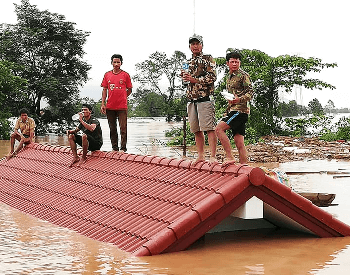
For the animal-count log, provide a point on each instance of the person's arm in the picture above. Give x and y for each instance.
(31, 131)
(128, 85)
(103, 104)
(247, 89)
(76, 130)
(91, 127)
(15, 129)
(128, 91)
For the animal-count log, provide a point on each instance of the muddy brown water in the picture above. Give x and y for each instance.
(32, 246)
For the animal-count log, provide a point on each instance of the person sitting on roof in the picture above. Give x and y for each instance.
(25, 135)
(91, 139)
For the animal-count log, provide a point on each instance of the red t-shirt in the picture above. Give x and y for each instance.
(116, 85)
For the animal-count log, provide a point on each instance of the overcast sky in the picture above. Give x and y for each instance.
(138, 28)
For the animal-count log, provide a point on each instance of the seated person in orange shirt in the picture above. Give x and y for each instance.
(24, 132)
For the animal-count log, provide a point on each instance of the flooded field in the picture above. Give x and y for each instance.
(32, 246)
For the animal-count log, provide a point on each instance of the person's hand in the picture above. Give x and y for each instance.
(234, 101)
(103, 109)
(188, 77)
(81, 115)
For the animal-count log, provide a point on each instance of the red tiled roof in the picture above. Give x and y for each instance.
(145, 205)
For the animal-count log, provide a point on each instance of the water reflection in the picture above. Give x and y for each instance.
(32, 246)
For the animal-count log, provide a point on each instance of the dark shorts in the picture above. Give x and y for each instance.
(93, 143)
(236, 121)
(26, 136)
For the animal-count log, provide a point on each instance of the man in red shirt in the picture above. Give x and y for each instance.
(117, 86)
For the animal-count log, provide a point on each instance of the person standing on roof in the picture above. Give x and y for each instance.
(239, 84)
(91, 139)
(200, 77)
(117, 86)
(24, 132)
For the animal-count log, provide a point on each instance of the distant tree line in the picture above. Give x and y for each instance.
(291, 108)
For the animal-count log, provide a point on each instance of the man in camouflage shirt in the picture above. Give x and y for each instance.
(200, 77)
(238, 83)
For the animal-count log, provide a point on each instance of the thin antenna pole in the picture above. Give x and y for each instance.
(194, 16)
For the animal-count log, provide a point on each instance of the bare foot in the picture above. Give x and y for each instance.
(213, 161)
(10, 155)
(82, 161)
(75, 159)
(195, 162)
(228, 162)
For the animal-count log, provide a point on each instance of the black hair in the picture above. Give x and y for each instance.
(117, 56)
(23, 111)
(235, 54)
(85, 105)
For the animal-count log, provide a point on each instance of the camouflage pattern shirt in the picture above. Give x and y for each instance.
(240, 85)
(201, 67)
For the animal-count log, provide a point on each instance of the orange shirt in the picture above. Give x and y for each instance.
(26, 127)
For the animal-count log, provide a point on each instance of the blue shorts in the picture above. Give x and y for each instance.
(236, 121)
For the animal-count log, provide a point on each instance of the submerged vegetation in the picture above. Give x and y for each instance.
(319, 126)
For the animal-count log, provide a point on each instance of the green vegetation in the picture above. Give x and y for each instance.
(10, 94)
(154, 97)
(341, 132)
(47, 52)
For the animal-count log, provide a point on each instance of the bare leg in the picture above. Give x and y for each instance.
(199, 137)
(225, 142)
(13, 139)
(85, 144)
(239, 141)
(73, 146)
(212, 139)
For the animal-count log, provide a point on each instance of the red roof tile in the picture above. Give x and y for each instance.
(145, 205)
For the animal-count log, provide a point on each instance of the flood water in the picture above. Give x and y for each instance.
(32, 246)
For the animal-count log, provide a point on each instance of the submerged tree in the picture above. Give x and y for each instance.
(50, 52)
(150, 74)
(329, 106)
(315, 107)
(271, 75)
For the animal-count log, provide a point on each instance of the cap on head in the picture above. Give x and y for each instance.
(196, 37)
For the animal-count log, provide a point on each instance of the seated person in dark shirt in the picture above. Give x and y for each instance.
(91, 139)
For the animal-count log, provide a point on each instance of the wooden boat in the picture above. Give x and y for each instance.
(319, 199)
